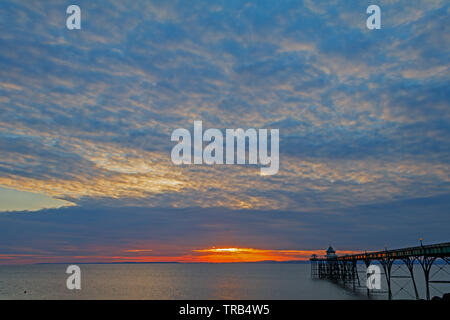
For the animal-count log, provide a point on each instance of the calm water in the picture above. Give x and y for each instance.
(174, 281)
(168, 281)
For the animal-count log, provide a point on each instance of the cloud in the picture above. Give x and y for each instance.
(89, 233)
(96, 108)
(86, 116)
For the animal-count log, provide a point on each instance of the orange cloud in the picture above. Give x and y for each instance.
(221, 255)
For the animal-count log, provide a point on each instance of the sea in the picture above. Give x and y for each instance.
(175, 281)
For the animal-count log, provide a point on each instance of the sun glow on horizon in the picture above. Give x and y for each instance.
(235, 254)
(142, 255)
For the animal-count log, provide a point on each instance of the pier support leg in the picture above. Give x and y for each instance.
(343, 272)
(387, 265)
(367, 263)
(355, 263)
(354, 274)
(426, 262)
(409, 262)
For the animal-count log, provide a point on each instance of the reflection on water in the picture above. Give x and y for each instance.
(169, 281)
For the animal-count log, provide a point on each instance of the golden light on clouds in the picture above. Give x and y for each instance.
(109, 170)
(150, 178)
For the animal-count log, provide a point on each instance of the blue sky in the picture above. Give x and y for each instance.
(86, 117)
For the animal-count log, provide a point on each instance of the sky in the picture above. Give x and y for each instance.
(86, 118)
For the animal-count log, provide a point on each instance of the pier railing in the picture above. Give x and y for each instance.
(437, 250)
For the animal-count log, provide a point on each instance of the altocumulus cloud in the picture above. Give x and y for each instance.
(363, 116)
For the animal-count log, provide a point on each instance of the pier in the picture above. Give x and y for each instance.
(344, 269)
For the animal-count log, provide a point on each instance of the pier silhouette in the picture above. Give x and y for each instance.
(344, 269)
